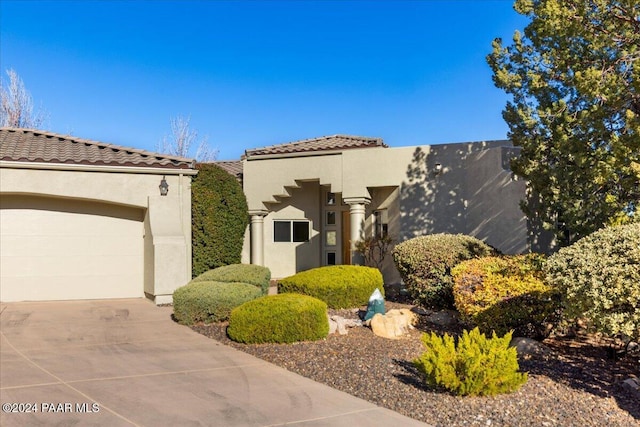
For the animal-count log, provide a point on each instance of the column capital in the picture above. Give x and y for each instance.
(357, 200)
(259, 212)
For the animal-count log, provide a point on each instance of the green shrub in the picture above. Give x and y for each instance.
(340, 286)
(219, 218)
(210, 301)
(599, 277)
(283, 318)
(476, 366)
(506, 293)
(244, 273)
(425, 265)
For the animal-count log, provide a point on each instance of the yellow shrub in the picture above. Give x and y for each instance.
(506, 293)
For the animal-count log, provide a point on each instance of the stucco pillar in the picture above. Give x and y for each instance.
(166, 264)
(357, 217)
(257, 237)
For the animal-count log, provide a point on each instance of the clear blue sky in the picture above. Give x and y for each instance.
(256, 73)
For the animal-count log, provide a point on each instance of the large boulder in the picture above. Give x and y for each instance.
(394, 324)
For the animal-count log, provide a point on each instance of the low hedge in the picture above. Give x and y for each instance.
(425, 265)
(210, 301)
(283, 318)
(339, 286)
(502, 294)
(240, 273)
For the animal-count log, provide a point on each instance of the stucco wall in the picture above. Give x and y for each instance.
(287, 258)
(263, 180)
(165, 221)
(472, 194)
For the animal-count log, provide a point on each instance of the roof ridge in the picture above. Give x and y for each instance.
(336, 135)
(86, 141)
(333, 143)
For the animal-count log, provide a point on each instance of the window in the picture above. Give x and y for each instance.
(331, 218)
(380, 223)
(331, 258)
(331, 199)
(282, 231)
(300, 231)
(290, 231)
(331, 238)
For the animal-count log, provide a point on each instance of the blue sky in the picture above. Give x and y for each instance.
(256, 73)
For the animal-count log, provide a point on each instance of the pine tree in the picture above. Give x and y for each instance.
(574, 109)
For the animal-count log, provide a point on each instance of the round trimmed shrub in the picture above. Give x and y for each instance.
(244, 273)
(425, 265)
(339, 286)
(502, 294)
(210, 301)
(219, 218)
(599, 276)
(283, 318)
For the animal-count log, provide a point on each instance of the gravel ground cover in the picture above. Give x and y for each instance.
(574, 384)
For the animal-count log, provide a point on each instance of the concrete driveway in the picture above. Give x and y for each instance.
(126, 363)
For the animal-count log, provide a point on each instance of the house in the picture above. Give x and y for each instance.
(85, 220)
(311, 200)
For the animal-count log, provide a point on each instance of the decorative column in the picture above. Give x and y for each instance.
(357, 217)
(257, 237)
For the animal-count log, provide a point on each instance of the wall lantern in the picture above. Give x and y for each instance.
(437, 169)
(164, 187)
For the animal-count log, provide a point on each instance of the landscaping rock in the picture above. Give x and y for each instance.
(529, 347)
(633, 385)
(333, 325)
(444, 317)
(421, 311)
(393, 324)
(340, 324)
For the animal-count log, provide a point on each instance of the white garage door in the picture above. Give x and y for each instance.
(55, 249)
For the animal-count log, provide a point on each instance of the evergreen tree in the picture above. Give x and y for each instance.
(574, 109)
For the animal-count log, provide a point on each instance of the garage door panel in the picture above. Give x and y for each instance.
(61, 288)
(53, 254)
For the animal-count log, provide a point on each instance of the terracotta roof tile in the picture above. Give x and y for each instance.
(28, 145)
(323, 143)
(233, 167)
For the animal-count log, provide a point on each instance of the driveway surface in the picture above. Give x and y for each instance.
(126, 363)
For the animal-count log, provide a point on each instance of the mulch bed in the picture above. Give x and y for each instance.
(576, 384)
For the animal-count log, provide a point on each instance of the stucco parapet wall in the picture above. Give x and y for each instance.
(96, 168)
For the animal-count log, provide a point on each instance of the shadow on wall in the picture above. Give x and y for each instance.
(307, 255)
(429, 203)
(472, 194)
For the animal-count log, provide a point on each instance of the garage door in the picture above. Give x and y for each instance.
(57, 249)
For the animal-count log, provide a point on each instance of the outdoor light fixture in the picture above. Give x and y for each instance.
(437, 169)
(164, 187)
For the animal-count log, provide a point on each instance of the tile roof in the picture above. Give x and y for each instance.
(28, 145)
(233, 167)
(323, 143)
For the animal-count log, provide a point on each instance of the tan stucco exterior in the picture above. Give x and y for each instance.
(473, 193)
(79, 231)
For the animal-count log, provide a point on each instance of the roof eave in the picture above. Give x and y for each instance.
(153, 170)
